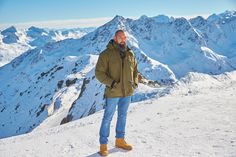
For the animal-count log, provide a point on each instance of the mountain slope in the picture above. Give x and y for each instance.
(14, 42)
(189, 122)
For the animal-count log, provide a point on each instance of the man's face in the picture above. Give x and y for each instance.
(120, 38)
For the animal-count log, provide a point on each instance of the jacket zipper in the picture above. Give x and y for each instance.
(122, 81)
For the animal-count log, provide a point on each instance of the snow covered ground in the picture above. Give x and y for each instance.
(198, 118)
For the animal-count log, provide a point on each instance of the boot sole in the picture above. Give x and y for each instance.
(102, 154)
(123, 148)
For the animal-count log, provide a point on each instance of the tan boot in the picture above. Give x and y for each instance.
(120, 143)
(103, 150)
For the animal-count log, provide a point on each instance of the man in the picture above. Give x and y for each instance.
(117, 70)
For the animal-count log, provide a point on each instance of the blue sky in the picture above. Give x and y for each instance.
(20, 11)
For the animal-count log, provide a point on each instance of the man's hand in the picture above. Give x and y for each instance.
(114, 83)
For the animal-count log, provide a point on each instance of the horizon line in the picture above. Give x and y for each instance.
(79, 23)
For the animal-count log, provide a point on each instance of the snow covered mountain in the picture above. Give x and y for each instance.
(14, 42)
(54, 83)
(197, 118)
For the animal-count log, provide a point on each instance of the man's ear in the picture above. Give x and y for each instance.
(114, 38)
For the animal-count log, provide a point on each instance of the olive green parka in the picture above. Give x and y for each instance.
(111, 67)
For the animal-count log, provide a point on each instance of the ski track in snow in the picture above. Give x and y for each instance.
(188, 122)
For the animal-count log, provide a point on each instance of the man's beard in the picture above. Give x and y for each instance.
(122, 48)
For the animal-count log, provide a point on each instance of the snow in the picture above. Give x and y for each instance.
(52, 79)
(14, 42)
(196, 119)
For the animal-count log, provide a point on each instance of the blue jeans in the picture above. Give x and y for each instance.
(111, 103)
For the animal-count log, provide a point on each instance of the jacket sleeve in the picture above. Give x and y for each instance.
(135, 74)
(101, 70)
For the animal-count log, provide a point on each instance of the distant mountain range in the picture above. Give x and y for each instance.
(14, 42)
(52, 81)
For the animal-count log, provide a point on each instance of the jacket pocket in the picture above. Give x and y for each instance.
(115, 88)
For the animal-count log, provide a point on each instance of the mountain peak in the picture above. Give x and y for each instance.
(118, 19)
(143, 17)
(11, 29)
(180, 21)
(118, 22)
(223, 16)
(213, 17)
(228, 13)
(162, 19)
(198, 21)
(36, 29)
(10, 36)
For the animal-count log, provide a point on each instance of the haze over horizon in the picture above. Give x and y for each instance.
(61, 14)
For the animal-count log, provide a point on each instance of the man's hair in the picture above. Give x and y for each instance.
(119, 31)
